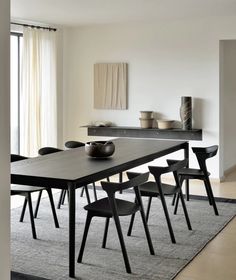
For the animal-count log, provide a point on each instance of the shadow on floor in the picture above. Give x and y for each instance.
(20, 276)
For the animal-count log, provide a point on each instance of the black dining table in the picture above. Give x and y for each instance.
(72, 169)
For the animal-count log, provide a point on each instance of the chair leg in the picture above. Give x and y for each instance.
(37, 204)
(208, 185)
(185, 210)
(176, 204)
(122, 243)
(82, 192)
(148, 208)
(176, 196)
(163, 201)
(94, 192)
(87, 193)
(144, 220)
(87, 224)
(105, 233)
(60, 199)
(208, 193)
(63, 197)
(131, 221)
(49, 191)
(173, 200)
(120, 179)
(31, 215)
(131, 225)
(149, 240)
(23, 210)
(187, 189)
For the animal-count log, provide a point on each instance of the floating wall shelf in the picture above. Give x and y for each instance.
(137, 132)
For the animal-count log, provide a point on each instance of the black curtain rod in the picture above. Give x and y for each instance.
(35, 26)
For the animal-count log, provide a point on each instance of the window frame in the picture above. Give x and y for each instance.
(19, 35)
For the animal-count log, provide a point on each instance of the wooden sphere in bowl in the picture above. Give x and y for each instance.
(99, 149)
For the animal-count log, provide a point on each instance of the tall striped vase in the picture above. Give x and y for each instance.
(186, 112)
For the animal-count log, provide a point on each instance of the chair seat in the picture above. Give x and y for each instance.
(102, 208)
(16, 189)
(192, 173)
(150, 189)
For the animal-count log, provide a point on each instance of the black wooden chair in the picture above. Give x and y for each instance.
(158, 189)
(112, 207)
(72, 145)
(202, 155)
(44, 151)
(26, 191)
(76, 144)
(50, 150)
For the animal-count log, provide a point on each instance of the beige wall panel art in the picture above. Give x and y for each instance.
(110, 86)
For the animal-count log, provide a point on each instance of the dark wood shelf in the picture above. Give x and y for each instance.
(137, 132)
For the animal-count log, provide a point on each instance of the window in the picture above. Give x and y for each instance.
(16, 47)
(33, 91)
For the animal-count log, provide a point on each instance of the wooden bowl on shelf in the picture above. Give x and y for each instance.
(146, 114)
(165, 124)
(146, 123)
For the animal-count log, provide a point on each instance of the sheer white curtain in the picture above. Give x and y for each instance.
(38, 107)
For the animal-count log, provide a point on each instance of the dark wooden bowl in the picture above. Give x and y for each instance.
(100, 149)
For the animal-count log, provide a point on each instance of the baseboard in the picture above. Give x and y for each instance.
(217, 199)
(229, 170)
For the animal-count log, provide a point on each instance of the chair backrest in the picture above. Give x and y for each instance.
(132, 175)
(206, 152)
(15, 157)
(74, 144)
(203, 154)
(111, 187)
(48, 150)
(174, 166)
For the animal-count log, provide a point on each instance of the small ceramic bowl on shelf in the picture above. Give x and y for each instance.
(165, 124)
(146, 123)
(100, 149)
(146, 114)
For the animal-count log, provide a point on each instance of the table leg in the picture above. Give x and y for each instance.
(186, 156)
(72, 200)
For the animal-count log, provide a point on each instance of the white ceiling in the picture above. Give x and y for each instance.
(86, 12)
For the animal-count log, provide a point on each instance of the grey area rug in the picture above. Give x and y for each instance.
(47, 257)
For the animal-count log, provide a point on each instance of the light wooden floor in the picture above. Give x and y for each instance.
(218, 259)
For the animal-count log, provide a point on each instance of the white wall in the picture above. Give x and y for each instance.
(228, 102)
(166, 60)
(4, 140)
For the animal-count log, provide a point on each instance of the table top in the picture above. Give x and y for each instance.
(56, 170)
